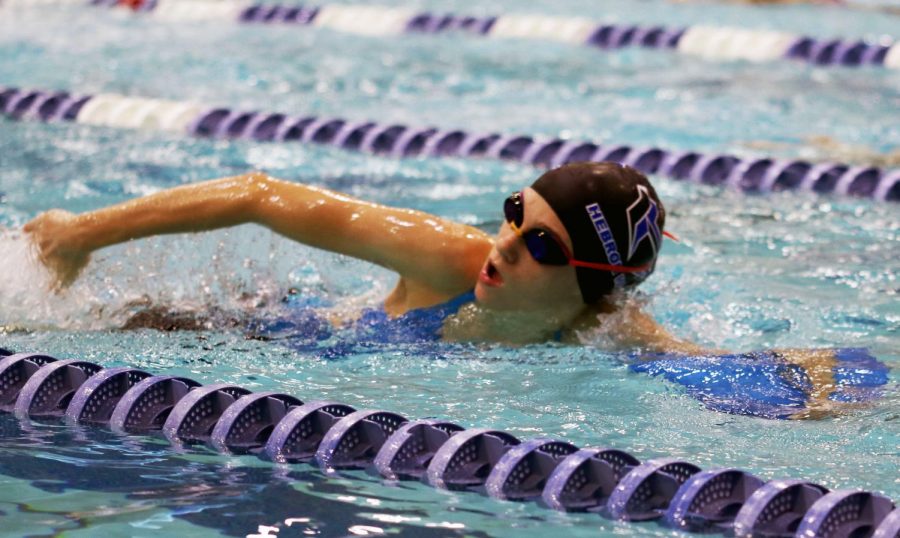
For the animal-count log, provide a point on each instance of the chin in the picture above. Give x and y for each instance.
(483, 295)
(494, 299)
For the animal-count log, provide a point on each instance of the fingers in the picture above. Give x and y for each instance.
(66, 271)
(47, 238)
(34, 225)
(38, 222)
(62, 280)
(815, 413)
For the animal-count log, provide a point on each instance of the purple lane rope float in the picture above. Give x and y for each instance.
(281, 428)
(708, 42)
(756, 175)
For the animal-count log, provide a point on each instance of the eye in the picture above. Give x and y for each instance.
(537, 246)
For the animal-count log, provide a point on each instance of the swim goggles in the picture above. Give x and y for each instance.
(548, 249)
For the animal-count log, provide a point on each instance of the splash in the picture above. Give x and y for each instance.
(195, 281)
(28, 301)
(25, 295)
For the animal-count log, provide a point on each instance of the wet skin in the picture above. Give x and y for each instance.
(436, 258)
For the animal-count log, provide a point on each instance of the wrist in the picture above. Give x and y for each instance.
(85, 234)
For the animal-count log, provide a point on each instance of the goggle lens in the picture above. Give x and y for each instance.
(513, 209)
(546, 248)
(543, 246)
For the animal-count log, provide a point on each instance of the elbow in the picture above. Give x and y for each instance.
(258, 182)
(256, 189)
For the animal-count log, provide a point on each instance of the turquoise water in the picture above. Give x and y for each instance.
(788, 270)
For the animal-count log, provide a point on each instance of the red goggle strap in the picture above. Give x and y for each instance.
(614, 268)
(591, 265)
(608, 267)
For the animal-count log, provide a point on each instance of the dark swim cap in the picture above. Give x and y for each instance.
(613, 216)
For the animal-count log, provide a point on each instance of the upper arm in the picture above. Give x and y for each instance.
(639, 329)
(439, 253)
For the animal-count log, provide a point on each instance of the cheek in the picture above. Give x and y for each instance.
(565, 286)
(551, 291)
(528, 286)
(548, 287)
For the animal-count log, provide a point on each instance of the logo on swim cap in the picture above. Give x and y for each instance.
(642, 223)
(601, 226)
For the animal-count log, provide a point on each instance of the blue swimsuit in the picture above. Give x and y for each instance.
(419, 325)
(764, 384)
(304, 328)
(761, 384)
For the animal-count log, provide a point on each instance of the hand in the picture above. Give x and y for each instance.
(53, 234)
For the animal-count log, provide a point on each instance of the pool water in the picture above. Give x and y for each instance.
(751, 272)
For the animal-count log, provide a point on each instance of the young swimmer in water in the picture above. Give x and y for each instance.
(578, 233)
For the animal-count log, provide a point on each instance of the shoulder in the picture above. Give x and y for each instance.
(410, 294)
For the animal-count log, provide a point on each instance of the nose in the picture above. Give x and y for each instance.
(507, 245)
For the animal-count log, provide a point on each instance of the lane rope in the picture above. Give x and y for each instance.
(335, 436)
(704, 41)
(751, 175)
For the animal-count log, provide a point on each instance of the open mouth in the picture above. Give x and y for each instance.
(490, 275)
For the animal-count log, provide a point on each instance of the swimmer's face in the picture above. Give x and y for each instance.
(511, 279)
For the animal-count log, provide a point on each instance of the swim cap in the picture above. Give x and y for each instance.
(612, 215)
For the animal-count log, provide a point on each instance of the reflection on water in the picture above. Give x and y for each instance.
(146, 476)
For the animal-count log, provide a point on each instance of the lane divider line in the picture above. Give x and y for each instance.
(707, 42)
(752, 175)
(277, 427)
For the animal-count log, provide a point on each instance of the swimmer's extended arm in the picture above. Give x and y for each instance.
(435, 255)
(638, 329)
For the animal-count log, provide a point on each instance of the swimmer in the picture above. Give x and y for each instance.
(568, 246)
(579, 233)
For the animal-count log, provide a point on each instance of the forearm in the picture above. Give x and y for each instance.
(639, 330)
(658, 340)
(65, 241)
(189, 208)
